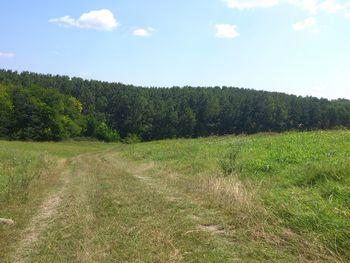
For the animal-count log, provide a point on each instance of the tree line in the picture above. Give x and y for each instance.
(45, 114)
(47, 107)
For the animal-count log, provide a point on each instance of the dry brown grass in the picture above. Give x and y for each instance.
(229, 191)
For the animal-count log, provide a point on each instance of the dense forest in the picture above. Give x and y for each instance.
(46, 107)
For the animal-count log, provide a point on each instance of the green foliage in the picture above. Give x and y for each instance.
(34, 118)
(70, 128)
(39, 114)
(228, 163)
(6, 108)
(44, 114)
(132, 138)
(104, 133)
(72, 120)
(91, 126)
(156, 113)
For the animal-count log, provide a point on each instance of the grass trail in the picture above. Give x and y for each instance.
(107, 209)
(108, 214)
(156, 202)
(38, 224)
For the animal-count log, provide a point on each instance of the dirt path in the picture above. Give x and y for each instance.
(108, 209)
(37, 226)
(45, 214)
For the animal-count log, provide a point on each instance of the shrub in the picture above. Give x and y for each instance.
(104, 133)
(132, 138)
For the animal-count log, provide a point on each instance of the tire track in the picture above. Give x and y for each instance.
(40, 222)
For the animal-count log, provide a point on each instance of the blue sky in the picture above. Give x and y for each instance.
(294, 46)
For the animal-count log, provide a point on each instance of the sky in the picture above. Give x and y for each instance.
(299, 47)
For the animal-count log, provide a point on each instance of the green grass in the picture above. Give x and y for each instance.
(303, 179)
(23, 162)
(266, 197)
(119, 219)
(28, 172)
(307, 182)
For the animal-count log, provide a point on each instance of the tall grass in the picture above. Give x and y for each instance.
(18, 172)
(302, 180)
(21, 163)
(306, 178)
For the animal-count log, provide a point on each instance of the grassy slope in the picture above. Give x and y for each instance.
(299, 182)
(278, 198)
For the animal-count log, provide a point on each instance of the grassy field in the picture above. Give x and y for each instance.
(267, 197)
(294, 187)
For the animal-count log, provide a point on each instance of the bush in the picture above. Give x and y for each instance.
(104, 133)
(132, 138)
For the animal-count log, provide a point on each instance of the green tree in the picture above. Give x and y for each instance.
(104, 133)
(6, 108)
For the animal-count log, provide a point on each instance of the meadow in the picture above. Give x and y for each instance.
(23, 163)
(296, 181)
(266, 197)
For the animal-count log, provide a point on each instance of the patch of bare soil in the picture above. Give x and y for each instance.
(215, 229)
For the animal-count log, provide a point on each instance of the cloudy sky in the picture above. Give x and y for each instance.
(295, 46)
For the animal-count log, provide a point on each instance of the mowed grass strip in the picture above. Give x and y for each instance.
(112, 216)
(29, 173)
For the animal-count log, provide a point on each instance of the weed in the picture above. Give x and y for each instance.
(229, 163)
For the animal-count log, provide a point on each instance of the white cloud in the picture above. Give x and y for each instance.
(99, 19)
(310, 6)
(331, 6)
(7, 54)
(308, 23)
(226, 31)
(314, 6)
(65, 21)
(143, 32)
(347, 14)
(249, 4)
(84, 75)
(96, 19)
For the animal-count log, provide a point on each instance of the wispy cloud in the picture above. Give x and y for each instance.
(331, 6)
(315, 6)
(308, 23)
(249, 4)
(7, 54)
(65, 21)
(103, 20)
(347, 14)
(226, 31)
(311, 6)
(84, 75)
(143, 32)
